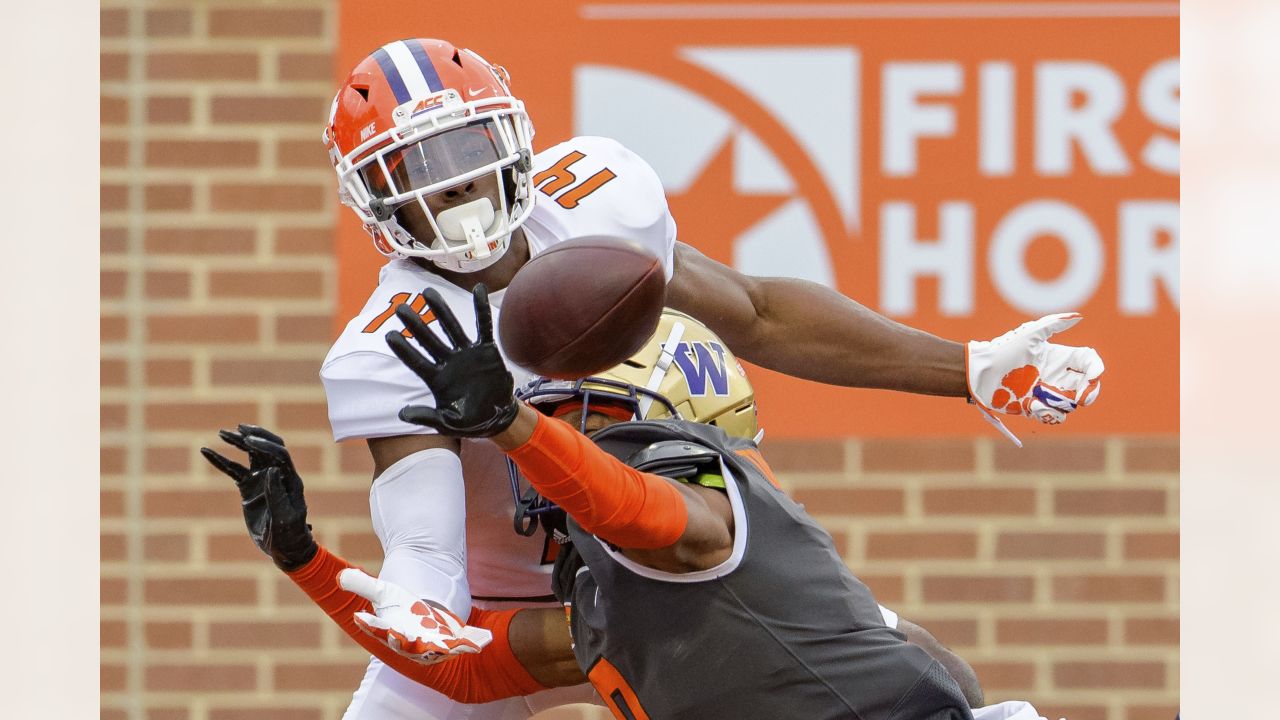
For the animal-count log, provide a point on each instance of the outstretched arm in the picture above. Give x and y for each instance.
(804, 329)
(959, 670)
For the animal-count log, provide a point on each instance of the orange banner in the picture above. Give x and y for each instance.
(958, 166)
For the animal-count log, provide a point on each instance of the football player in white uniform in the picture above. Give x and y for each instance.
(434, 154)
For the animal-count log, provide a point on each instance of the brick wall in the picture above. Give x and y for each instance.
(217, 294)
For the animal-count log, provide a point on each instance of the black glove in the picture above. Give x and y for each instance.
(275, 511)
(472, 387)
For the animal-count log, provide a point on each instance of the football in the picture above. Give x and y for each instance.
(581, 307)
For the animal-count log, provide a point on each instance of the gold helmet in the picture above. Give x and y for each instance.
(683, 372)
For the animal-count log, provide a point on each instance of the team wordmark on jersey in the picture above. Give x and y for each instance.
(702, 363)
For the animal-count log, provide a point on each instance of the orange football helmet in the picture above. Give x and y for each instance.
(432, 153)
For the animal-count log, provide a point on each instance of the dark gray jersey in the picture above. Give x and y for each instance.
(780, 630)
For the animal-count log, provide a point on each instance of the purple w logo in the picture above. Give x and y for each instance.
(701, 362)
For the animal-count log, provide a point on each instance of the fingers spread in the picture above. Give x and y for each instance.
(484, 313)
(261, 432)
(234, 439)
(430, 342)
(422, 415)
(227, 466)
(420, 364)
(273, 450)
(447, 319)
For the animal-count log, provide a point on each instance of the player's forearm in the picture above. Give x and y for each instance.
(494, 674)
(811, 332)
(620, 504)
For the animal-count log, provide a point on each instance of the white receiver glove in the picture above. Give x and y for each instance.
(421, 632)
(1022, 373)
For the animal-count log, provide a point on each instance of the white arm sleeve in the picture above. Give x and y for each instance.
(419, 515)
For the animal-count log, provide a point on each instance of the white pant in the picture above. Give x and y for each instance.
(385, 694)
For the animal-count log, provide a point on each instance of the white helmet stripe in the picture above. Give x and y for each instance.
(414, 80)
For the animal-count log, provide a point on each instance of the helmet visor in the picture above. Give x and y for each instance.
(436, 159)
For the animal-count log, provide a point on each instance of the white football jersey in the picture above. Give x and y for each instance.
(586, 186)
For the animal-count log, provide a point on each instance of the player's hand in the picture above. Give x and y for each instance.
(1022, 373)
(409, 626)
(275, 511)
(472, 387)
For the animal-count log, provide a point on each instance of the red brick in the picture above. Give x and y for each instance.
(1109, 588)
(166, 548)
(191, 504)
(1005, 675)
(188, 329)
(266, 284)
(111, 284)
(171, 196)
(168, 635)
(171, 677)
(980, 501)
(1112, 675)
(113, 591)
(168, 23)
(269, 197)
(354, 458)
(266, 109)
(112, 328)
(931, 455)
(111, 460)
(304, 241)
(113, 633)
(1050, 546)
(289, 595)
(786, 455)
(306, 66)
(113, 677)
(1151, 455)
(113, 197)
(113, 240)
(113, 110)
(168, 713)
(167, 460)
(1151, 631)
(168, 373)
(113, 66)
(851, 501)
(264, 371)
(317, 676)
(306, 329)
(202, 153)
(202, 66)
(303, 415)
(978, 588)
(1103, 501)
(273, 713)
(921, 545)
(272, 23)
(110, 503)
(339, 503)
(1037, 632)
(113, 416)
(309, 459)
(1057, 456)
(199, 415)
(113, 373)
(111, 547)
(1151, 712)
(360, 547)
(951, 633)
(168, 284)
(302, 154)
(886, 588)
(113, 153)
(1151, 546)
(113, 22)
(202, 590)
(255, 635)
(169, 110)
(236, 547)
(199, 241)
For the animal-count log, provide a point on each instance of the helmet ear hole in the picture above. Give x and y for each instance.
(363, 90)
(457, 58)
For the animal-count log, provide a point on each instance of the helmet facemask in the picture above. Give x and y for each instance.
(449, 183)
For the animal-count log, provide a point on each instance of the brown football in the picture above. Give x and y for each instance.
(581, 307)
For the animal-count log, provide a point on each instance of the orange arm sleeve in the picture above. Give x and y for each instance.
(492, 674)
(628, 508)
